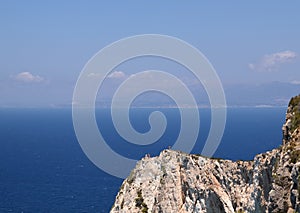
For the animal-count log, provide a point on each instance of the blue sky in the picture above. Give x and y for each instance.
(254, 46)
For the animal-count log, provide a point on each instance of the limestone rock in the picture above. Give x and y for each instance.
(180, 182)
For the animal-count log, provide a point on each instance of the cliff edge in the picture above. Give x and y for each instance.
(180, 182)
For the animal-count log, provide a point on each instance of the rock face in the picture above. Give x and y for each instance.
(179, 182)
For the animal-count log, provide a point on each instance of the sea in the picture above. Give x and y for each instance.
(43, 168)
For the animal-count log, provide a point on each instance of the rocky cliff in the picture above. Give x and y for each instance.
(179, 182)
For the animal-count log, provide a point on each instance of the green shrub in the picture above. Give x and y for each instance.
(139, 202)
(294, 101)
(295, 156)
(295, 107)
(131, 177)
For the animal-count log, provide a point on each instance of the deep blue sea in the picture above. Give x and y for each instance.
(43, 169)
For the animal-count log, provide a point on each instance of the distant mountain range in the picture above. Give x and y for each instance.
(273, 94)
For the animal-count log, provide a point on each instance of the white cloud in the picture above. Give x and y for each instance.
(295, 82)
(92, 74)
(28, 77)
(271, 62)
(117, 74)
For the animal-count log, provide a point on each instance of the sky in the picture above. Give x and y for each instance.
(254, 46)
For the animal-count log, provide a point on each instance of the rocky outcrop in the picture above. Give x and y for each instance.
(180, 182)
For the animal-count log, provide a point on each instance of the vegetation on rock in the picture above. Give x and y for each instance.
(294, 104)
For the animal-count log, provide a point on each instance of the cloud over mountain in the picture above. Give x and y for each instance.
(271, 62)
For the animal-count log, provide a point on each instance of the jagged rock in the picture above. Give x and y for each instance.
(180, 182)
